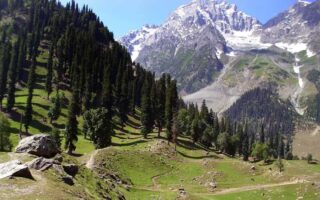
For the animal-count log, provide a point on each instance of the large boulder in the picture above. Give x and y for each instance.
(14, 168)
(40, 145)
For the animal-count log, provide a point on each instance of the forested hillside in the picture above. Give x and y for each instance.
(267, 119)
(92, 77)
(83, 58)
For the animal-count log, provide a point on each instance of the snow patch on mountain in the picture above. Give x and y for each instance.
(295, 48)
(245, 40)
(304, 2)
(135, 39)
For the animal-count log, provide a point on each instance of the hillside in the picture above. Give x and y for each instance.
(149, 168)
(128, 133)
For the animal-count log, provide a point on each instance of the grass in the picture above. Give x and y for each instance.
(291, 192)
(155, 176)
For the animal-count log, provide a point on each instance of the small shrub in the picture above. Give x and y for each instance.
(280, 165)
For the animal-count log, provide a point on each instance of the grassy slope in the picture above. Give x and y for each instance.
(152, 175)
(157, 176)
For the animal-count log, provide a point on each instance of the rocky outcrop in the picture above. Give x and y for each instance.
(40, 145)
(14, 169)
(65, 177)
(71, 169)
(42, 164)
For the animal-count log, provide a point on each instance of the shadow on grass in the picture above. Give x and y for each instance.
(39, 87)
(132, 123)
(187, 145)
(15, 116)
(40, 126)
(25, 95)
(42, 106)
(76, 154)
(129, 144)
(126, 138)
(59, 126)
(198, 157)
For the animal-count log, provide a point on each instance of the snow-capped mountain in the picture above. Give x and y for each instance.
(295, 29)
(190, 44)
(216, 52)
(135, 39)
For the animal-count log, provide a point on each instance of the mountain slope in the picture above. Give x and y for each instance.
(190, 44)
(294, 26)
(202, 37)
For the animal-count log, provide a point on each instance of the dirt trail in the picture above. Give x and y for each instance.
(90, 162)
(224, 191)
(154, 179)
(316, 131)
(255, 187)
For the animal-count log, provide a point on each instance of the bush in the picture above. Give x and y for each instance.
(280, 165)
(295, 157)
(261, 151)
(98, 127)
(5, 143)
(309, 158)
(56, 134)
(289, 156)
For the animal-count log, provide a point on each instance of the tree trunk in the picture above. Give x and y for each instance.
(69, 151)
(20, 130)
(159, 131)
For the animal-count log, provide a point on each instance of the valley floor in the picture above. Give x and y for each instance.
(152, 169)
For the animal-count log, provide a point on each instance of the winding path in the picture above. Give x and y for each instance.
(255, 187)
(90, 162)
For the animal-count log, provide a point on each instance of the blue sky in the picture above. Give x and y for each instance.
(122, 16)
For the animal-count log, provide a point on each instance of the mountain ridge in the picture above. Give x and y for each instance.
(208, 22)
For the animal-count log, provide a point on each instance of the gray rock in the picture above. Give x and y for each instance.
(66, 178)
(71, 169)
(39, 145)
(42, 164)
(14, 168)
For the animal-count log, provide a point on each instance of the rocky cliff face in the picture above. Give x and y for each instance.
(190, 43)
(218, 53)
(298, 25)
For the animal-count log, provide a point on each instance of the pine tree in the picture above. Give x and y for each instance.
(195, 129)
(107, 99)
(204, 113)
(146, 115)
(4, 67)
(12, 76)
(31, 83)
(72, 125)
(123, 103)
(21, 63)
(50, 71)
(161, 104)
(98, 127)
(55, 110)
(168, 108)
(175, 131)
(5, 143)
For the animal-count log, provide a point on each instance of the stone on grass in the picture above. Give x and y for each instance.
(71, 169)
(41, 145)
(14, 169)
(42, 164)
